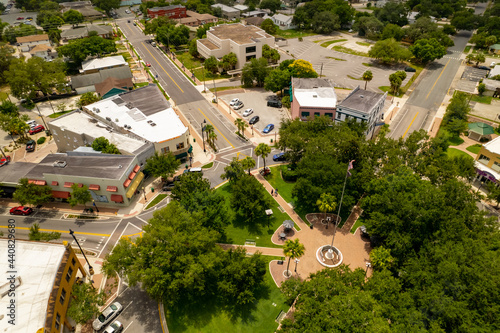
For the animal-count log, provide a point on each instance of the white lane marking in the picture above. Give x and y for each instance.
(111, 235)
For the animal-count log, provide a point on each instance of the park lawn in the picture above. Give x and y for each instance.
(258, 317)
(363, 43)
(3, 95)
(292, 33)
(202, 74)
(357, 224)
(188, 60)
(453, 152)
(58, 114)
(474, 148)
(156, 200)
(349, 51)
(238, 231)
(224, 88)
(482, 99)
(325, 44)
(388, 90)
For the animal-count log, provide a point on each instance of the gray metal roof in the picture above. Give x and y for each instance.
(85, 80)
(311, 83)
(361, 100)
(148, 99)
(81, 32)
(12, 172)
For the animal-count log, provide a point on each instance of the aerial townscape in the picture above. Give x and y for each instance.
(249, 166)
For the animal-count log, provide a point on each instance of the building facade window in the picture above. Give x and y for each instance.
(304, 114)
(483, 159)
(63, 296)
(248, 58)
(58, 321)
(69, 274)
(338, 115)
(165, 150)
(73, 261)
(251, 49)
(496, 166)
(328, 114)
(180, 145)
(317, 114)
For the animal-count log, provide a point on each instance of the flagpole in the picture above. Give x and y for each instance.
(340, 206)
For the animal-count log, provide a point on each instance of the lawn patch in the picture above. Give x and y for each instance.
(208, 165)
(338, 59)
(140, 84)
(330, 42)
(224, 88)
(474, 148)
(58, 114)
(467, 49)
(292, 33)
(355, 78)
(482, 99)
(357, 224)
(363, 43)
(3, 95)
(388, 90)
(453, 152)
(367, 64)
(343, 49)
(156, 200)
(188, 60)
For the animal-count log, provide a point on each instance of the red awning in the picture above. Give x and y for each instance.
(127, 183)
(80, 185)
(41, 182)
(60, 194)
(132, 175)
(54, 183)
(31, 181)
(116, 198)
(94, 187)
(67, 184)
(112, 189)
(137, 168)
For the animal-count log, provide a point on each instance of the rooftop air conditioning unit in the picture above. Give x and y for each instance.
(116, 120)
(60, 164)
(108, 119)
(153, 124)
(97, 110)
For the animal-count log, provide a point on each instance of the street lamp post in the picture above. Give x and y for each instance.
(95, 206)
(203, 135)
(40, 114)
(252, 129)
(296, 262)
(144, 192)
(91, 269)
(368, 265)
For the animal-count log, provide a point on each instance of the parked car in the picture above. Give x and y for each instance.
(21, 210)
(29, 18)
(247, 112)
(265, 171)
(114, 327)
(20, 18)
(193, 170)
(268, 128)
(4, 161)
(148, 64)
(30, 145)
(36, 129)
(234, 101)
(274, 103)
(238, 106)
(134, 23)
(31, 123)
(484, 67)
(279, 157)
(107, 315)
(128, 21)
(410, 69)
(254, 120)
(127, 11)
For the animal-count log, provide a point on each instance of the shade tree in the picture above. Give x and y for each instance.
(161, 165)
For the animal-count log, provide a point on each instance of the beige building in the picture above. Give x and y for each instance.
(25, 44)
(488, 161)
(245, 41)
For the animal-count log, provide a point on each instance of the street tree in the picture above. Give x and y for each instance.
(396, 82)
(31, 194)
(230, 59)
(255, 71)
(193, 48)
(162, 165)
(369, 26)
(248, 163)
(490, 40)
(36, 235)
(249, 199)
(392, 31)
(427, 50)
(272, 5)
(303, 69)
(107, 5)
(270, 54)
(103, 145)
(87, 98)
(263, 150)
(325, 22)
(481, 88)
(241, 125)
(73, 17)
(79, 195)
(380, 258)
(392, 13)
(277, 80)
(233, 171)
(211, 64)
(388, 51)
(293, 249)
(6, 56)
(15, 124)
(85, 302)
(326, 204)
(9, 108)
(268, 26)
(470, 57)
(211, 135)
(479, 58)
(79, 49)
(367, 77)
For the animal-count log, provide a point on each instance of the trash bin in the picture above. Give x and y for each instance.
(152, 189)
(311, 226)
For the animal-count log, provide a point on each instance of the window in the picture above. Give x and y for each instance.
(316, 114)
(496, 166)
(179, 145)
(73, 261)
(69, 274)
(58, 321)
(165, 150)
(251, 49)
(250, 57)
(338, 115)
(483, 159)
(63, 296)
(329, 114)
(304, 114)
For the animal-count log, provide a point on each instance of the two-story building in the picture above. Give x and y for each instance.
(229, 13)
(488, 161)
(102, 30)
(245, 41)
(284, 22)
(313, 97)
(195, 19)
(172, 12)
(27, 43)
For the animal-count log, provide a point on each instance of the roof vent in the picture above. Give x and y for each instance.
(152, 124)
(361, 96)
(315, 96)
(120, 166)
(97, 110)
(116, 119)
(150, 121)
(108, 119)
(59, 164)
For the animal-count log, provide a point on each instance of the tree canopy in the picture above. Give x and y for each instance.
(79, 49)
(31, 194)
(103, 145)
(162, 165)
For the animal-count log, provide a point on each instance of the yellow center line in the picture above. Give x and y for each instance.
(61, 231)
(215, 127)
(410, 124)
(162, 68)
(131, 235)
(437, 79)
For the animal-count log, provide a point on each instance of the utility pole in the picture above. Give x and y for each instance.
(215, 89)
(321, 71)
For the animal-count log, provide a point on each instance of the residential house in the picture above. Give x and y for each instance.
(255, 13)
(363, 106)
(43, 51)
(26, 43)
(97, 64)
(284, 22)
(44, 277)
(241, 8)
(487, 162)
(253, 20)
(245, 41)
(494, 71)
(196, 19)
(113, 86)
(313, 97)
(495, 48)
(172, 12)
(84, 7)
(87, 82)
(102, 30)
(229, 13)
(146, 114)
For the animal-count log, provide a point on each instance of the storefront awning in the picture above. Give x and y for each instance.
(137, 168)
(127, 183)
(112, 189)
(61, 194)
(132, 175)
(116, 198)
(55, 183)
(41, 182)
(94, 187)
(68, 184)
(135, 184)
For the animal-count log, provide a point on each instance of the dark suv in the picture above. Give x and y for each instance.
(274, 103)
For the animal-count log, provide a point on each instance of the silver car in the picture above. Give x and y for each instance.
(107, 315)
(114, 327)
(238, 106)
(247, 112)
(234, 101)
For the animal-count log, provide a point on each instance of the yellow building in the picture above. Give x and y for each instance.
(488, 161)
(39, 285)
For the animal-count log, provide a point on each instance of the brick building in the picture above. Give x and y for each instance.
(173, 12)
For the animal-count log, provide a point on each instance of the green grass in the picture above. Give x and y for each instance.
(474, 148)
(338, 59)
(258, 317)
(3, 96)
(58, 114)
(452, 141)
(367, 64)
(292, 33)
(363, 43)
(188, 60)
(343, 49)
(224, 88)
(238, 231)
(453, 152)
(140, 84)
(482, 99)
(208, 75)
(357, 224)
(388, 89)
(355, 78)
(330, 42)
(156, 200)
(467, 49)
(207, 166)
(126, 56)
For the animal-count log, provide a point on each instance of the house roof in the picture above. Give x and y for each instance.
(80, 32)
(105, 62)
(314, 92)
(495, 47)
(254, 13)
(491, 84)
(156, 9)
(257, 21)
(32, 38)
(225, 8)
(13, 171)
(240, 7)
(239, 33)
(361, 100)
(105, 86)
(481, 128)
(494, 71)
(40, 48)
(283, 18)
(493, 146)
(188, 19)
(86, 80)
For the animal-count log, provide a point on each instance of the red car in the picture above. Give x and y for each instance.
(21, 210)
(20, 18)
(4, 161)
(36, 129)
(148, 64)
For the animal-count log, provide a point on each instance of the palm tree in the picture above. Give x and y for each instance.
(241, 125)
(211, 136)
(293, 249)
(263, 150)
(248, 163)
(326, 203)
(367, 76)
(470, 57)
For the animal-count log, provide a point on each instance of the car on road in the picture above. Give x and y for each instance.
(193, 170)
(30, 145)
(31, 123)
(107, 315)
(148, 64)
(135, 24)
(29, 18)
(234, 101)
(128, 21)
(238, 106)
(247, 112)
(254, 120)
(279, 157)
(268, 128)
(127, 11)
(410, 69)
(36, 129)
(114, 327)
(4, 161)
(274, 103)
(21, 210)
(20, 18)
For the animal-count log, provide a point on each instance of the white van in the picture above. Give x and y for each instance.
(31, 123)
(193, 170)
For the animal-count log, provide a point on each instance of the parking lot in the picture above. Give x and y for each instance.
(257, 100)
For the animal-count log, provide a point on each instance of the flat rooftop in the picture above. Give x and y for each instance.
(105, 166)
(208, 44)
(145, 111)
(361, 100)
(36, 265)
(314, 93)
(81, 123)
(493, 145)
(239, 33)
(13, 171)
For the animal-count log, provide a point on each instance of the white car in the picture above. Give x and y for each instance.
(127, 11)
(107, 315)
(247, 112)
(234, 101)
(238, 105)
(114, 327)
